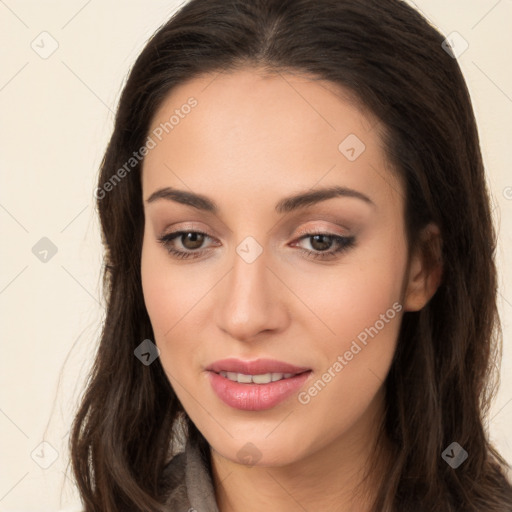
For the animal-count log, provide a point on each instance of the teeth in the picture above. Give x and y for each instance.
(264, 378)
(240, 377)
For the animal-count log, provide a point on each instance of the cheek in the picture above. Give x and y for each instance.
(170, 293)
(361, 305)
(353, 296)
(164, 297)
(164, 310)
(158, 294)
(172, 297)
(365, 315)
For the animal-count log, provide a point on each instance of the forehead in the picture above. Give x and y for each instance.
(255, 132)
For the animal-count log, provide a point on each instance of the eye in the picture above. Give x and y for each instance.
(325, 246)
(323, 243)
(190, 240)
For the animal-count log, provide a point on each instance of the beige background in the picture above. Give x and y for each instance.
(56, 117)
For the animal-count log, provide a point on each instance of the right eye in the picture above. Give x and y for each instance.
(190, 241)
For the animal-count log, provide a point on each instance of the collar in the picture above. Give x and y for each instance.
(190, 483)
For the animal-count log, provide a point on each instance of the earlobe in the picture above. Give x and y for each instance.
(425, 269)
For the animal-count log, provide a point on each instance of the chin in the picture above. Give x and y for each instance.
(258, 453)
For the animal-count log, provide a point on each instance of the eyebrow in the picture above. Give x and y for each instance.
(288, 204)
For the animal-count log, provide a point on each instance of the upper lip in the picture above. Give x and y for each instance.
(256, 367)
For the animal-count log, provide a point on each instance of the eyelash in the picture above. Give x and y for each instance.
(344, 243)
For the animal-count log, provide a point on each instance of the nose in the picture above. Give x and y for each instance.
(252, 300)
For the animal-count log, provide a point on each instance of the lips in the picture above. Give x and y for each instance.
(234, 382)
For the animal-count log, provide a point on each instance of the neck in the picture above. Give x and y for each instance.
(329, 478)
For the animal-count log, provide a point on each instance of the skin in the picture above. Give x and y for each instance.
(251, 141)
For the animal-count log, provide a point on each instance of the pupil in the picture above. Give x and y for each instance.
(322, 246)
(195, 238)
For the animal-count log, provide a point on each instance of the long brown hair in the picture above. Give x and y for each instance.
(442, 380)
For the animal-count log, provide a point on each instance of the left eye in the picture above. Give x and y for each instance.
(192, 241)
(322, 243)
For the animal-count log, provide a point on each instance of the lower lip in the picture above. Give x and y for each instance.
(255, 397)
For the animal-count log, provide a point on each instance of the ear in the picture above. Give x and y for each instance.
(425, 269)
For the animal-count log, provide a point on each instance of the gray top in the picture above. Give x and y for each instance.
(190, 483)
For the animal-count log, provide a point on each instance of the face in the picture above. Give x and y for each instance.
(305, 293)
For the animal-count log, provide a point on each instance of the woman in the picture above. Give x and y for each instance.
(299, 270)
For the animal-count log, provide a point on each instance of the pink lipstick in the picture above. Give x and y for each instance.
(255, 385)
